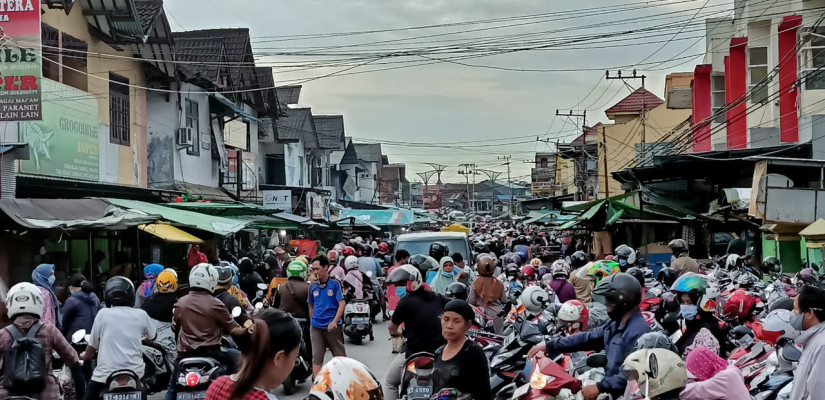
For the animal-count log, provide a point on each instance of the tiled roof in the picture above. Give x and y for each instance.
(291, 128)
(199, 46)
(270, 97)
(289, 94)
(634, 101)
(148, 11)
(369, 152)
(330, 130)
(592, 131)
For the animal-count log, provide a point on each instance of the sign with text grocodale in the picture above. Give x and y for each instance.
(65, 142)
(278, 199)
(21, 70)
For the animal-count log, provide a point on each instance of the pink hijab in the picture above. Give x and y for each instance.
(704, 363)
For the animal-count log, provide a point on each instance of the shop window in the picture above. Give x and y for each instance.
(192, 121)
(64, 58)
(119, 124)
(757, 71)
(717, 93)
(812, 60)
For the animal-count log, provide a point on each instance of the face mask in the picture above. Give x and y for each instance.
(796, 321)
(622, 262)
(400, 292)
(447, 274)
(51, 280)
(688, 311)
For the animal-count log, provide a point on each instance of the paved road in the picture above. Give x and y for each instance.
(376, 355)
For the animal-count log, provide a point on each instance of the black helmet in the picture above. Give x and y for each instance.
(637, 273)
(481, 247)
(625, 252)
(785, 303)
(423, 263)
(119, 291)
(678, 246)
(224, 275)
(578, 259)
(439, 250)
(622, 291)
(771, 265)
(457, 290)
(666, 277)
(654, 340)
(512, 270)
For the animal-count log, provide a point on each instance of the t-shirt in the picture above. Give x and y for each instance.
(117, 334)
(420, 312)
(462, 372)
(221, 389)
(324, 299)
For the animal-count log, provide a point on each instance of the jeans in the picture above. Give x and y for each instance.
(227, 358)
(392, 378)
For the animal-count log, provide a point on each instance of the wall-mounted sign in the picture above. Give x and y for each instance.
(278, 199)
(21, 70)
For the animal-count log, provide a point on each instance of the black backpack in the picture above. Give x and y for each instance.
(24, 363)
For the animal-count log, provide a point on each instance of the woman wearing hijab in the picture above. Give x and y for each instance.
(460, 363)
(715, 379)
(147, 288)
(444, 277)
(43, 278)
(488, 293)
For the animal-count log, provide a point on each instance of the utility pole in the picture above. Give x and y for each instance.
(604, 151)
(581, 164)
(469, 169)
(492, 176)
(507, 163)
(643, 114)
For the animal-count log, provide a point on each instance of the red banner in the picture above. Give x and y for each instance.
(21, 70)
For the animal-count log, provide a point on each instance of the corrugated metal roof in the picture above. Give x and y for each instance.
(330, 129)
(634, 101)
(292, 127)
(199, 46)
(289, 95)
(369, 152)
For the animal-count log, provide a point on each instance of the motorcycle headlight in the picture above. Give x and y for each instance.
(539, 381)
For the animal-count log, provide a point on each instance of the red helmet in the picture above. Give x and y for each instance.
(574, 311)
(333, 255)
(382, 247)
(348, 251)
(528, 272)
(740, 304)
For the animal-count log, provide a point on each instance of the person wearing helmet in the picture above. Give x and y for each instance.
(807, 276)
(116, 335)
(269, 356)
(739, 307)
(809, 315)
(563, 289)
(291, 296)
(419, 311)
(222, 293)
(372, 269)
(344, 378)
(160, 308)
(24, 304)
(697, 304)
(667, 277)
(457, 290)
(444, 276)
(488, 293)
(535, 299)
(200, 321)
(625, 256)
(326, 308)
(394, 293)
(639, 274)
(354, 280)
(460, 362)
(573, 317)
(621, 294)
(714, 377)
(528, 274)
(147, 287)
(682, 263)
(439, 250)
(579, 264)
(248, 279)
(659, 373)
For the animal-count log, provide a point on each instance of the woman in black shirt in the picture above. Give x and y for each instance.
(460, 364)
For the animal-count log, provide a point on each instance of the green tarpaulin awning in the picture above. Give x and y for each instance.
(209, 223)
(379, 217)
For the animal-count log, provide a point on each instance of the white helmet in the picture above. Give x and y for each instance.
(559, 271)
(657, 371)
(406, 275)
(204, 276)
(777, 324)
(24, 298)
(563, 264)
(534, 299)
(350, 263)
(343, 378)
(732, 261)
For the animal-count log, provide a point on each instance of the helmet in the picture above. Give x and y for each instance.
(771, 265)
(203, 276)
(224, 275)
(667, 276)
(746, 280)
(348, 251)
(521, 252)
(738, 305)
(481, 247)
(350, 263)
(535, 262)
(511, 270)
(561, 264)
(423, 263)
(343, 378)
(383, 247)
(777, 325)
(167, 281)
(574, 311)
(625, 252)
(654, 340)
(785, 303)
(457, 290)
(620, 290)
(602, 269)
(534, 299)
(406, 275)
(806, 277)
(678, 246)
(439, 250)
(732, 261)
(699, 289)
(638, 274)
(579, 259)
(559, 271)
(657, 371)
(485, 266)
(529, 272)
(302, 260)
(120, 291)
(24, 298)
(333, 256)
(296, 270)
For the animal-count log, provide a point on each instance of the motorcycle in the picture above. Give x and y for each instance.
(417, 378)
(358, 320)
(508, 362)
(302, 369)
(123, 385)
(548, 378)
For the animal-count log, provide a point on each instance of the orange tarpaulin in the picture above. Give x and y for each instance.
(305, 247)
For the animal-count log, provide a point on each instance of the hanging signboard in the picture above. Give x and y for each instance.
(20, 61)
(278, 199)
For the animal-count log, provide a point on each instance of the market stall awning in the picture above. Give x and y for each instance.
(67, 214)
(169, 233)
(355, 221)
(209, 223)
(222, 209)
(380, 217)
(268, 222)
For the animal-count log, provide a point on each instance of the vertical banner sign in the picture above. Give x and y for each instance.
(20, 61)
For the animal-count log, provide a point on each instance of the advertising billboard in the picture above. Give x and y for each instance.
(21, 69)
(278, 199)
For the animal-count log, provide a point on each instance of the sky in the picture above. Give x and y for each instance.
(529, 58)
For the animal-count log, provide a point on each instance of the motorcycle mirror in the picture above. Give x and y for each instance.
(790, 353)
(597, 360)
(236, 312)
(78, 336)
(262, 286)
(370, 274)
(259, 305)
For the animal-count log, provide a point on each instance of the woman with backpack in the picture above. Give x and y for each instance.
(26, 347)
(43, 277)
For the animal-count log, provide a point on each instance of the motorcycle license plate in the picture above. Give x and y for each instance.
(189, 396)
(419, 392)
(522, 391)
(361, 320)
(122, 396)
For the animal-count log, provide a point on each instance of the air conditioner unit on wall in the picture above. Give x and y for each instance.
(185, 137)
